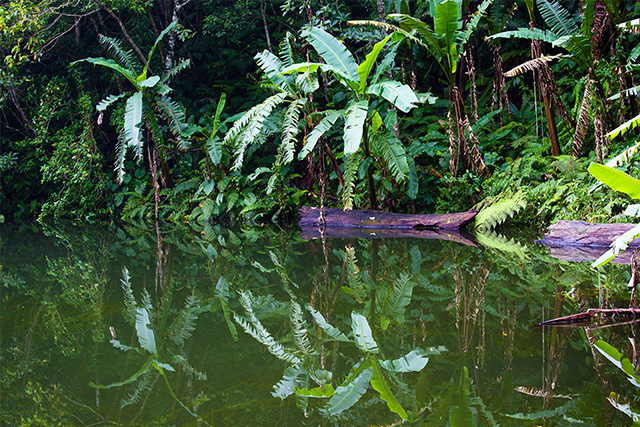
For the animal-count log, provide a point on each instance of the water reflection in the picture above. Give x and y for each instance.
(259, 326)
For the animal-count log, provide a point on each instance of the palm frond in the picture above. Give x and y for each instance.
(286, 49)
(583, 121)
(271, 65)
(532, 64)
(527, 33)
(333, 51)
(290, 129)
(184, 325)
(124, 57)
(352, 163)
(176, 69)
(246, 129)
(498, 212)
(298, 326)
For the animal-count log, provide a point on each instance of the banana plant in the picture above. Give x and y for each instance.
(149, 94)
(362, 118)
(445, 41)
(293, 84)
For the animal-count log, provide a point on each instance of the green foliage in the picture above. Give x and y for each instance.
(495, 212)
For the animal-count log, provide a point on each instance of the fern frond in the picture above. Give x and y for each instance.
(286, 49)
(182, 361)
(124, 57)
(352, 163)
(146, 303)
(532, 64)
(389, 148)
(105, 103)
(584, 120)
(557, 18)
(129, 300)
(173, 111)
(290, 129)
(181, 65)
(271, 65)
(318, 131)
(497, 213)
(565, 164)
(254, 327)
(184, 326)
(298, 326)
(247, 128)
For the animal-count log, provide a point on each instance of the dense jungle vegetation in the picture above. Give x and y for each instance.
(244, 110)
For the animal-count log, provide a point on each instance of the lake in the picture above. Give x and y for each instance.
(218, 325)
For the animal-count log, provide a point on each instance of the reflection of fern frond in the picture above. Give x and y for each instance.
(146, 303)
(142, 384)
(182, 361)
(294, 377)
(299, 330)
(501, 210)
(395, 298)
(531, 65)
(495, 241)
(354, 277)
(129, 300)
(254, 327)
(184, 325)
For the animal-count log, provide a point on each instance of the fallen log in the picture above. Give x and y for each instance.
(337, 218)
(609, 317)
(584, 241)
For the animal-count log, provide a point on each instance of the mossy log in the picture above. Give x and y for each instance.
(337, 218)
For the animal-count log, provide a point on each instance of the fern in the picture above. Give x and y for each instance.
(290, 129)
(352, 163)
(142, 384)
(495, 241)
(318, 131)
(247, 128)
(354, 277)
(174, 113)
(390, 149)
(557, 18)
(498, 212)
(125, 57)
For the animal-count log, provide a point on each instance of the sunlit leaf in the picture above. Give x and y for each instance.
(380, 384)
(413, 361)
(362, 333)
(616, 179)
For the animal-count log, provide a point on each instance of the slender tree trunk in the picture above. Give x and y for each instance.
(373, 203)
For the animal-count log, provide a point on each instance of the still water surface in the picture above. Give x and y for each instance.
(216, 326)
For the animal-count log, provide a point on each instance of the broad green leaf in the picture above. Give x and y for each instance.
(616, 358)
(401, 96)
(143, 330)
(105, 103)
(380, 384)
(388, 147)
(150, 82)
(144, 369)
(227, 317)
(376, 121)
(110, 63)
(272, 67)
(616, 179)
(362, 334)
(117, 344)
(365, 68)
(318, 392)
(446, 21)
(333, 52)
(412, 190)
(155, 44)
(132, 122)
(623, 128)
(356, 115)
(332, 331)
(413, 361)
(294, 377)
(164, 366)
(348, 394)
(318, 131)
